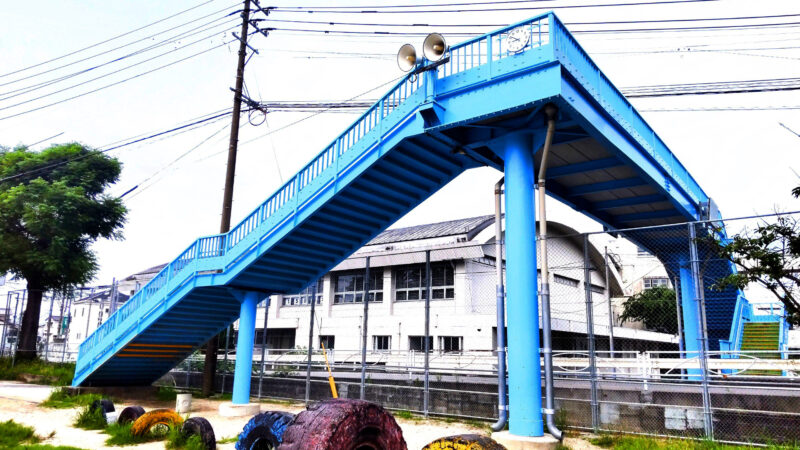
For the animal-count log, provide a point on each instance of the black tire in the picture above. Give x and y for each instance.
(264, 431)
(344, 424)
(464, 442)
(200, 427)
(104, 404)
(130, 414)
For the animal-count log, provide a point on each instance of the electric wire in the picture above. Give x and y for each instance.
(106, 40)
(37, 87)
(144, 187)
(475, 25)
(382, 9)
(115, 83)
(105, 52)
(114, 147)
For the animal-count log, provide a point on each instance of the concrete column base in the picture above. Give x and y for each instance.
(228, 409)
(514, 442)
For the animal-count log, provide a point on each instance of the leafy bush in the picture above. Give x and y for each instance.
(13, 434)
(166, 393)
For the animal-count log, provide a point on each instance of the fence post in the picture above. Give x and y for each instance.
(610, 308)
(362, 394)
(263, 345)
(702, 338)
(5, 325)
(676, 286)
(310, 341)
(225, 358)
(587, 284)
(426, 344)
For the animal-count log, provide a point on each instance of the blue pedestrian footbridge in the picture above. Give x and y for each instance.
(482, 107)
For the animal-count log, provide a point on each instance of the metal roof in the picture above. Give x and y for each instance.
(469, 226)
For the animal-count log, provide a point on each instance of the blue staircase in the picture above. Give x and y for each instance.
(429, 128)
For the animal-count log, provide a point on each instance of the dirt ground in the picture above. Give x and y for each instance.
(20, 402)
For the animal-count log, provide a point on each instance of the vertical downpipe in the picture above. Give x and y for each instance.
(363, 393)
(547, 338)
(502, 401)
(310, 341)
(263, 345)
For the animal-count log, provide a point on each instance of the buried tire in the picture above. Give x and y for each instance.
(464, 442)
(130, 414)
(264, 431)
(344, 425)
(198, 426)
(157, 417)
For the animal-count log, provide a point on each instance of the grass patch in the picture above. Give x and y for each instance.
(403, 414)
(63, 398)
(176, 440)
(89, 419)
(14, 436)
(166, 393)
(37, 371)
(228, 440)
(621, 442)
(120, 435)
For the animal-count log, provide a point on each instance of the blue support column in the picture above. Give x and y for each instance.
(691, 323)
(524, 370)
(244, 348)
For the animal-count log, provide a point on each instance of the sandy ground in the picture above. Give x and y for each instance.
(20, 402)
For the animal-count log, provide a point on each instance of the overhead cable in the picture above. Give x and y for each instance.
(106, 40)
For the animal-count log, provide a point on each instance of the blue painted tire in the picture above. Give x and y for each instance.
(264, 431)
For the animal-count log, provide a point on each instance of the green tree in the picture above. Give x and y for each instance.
(767, 255)
(53, 206)
(655, 308)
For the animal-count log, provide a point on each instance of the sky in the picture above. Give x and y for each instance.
(738, 150)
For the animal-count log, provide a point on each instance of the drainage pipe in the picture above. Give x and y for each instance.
(544, 293)
(502, 401)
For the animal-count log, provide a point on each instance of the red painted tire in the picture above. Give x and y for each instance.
(344, 425)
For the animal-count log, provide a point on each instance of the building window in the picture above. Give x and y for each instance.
(560, 279)
(410, 282)
(327, 341)
(417, 343)
(651, 282)
(349, 286)
(381, 343)
(303, 297)
(450, 343)
(598, 289)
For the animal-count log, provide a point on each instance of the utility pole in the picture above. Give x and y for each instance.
(210, 368)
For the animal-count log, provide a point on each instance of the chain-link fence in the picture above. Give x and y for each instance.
(670, 349)
(651, 334)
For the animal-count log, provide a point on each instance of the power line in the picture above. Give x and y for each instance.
(400, 8)
(115, 83)
(35, 87)
(125, 45)
(69, 160)
(106, 40)
(472, 25)
(621, 30)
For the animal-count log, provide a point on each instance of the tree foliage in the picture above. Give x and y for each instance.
(53, 206)
(655, 308)
(767, 255)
